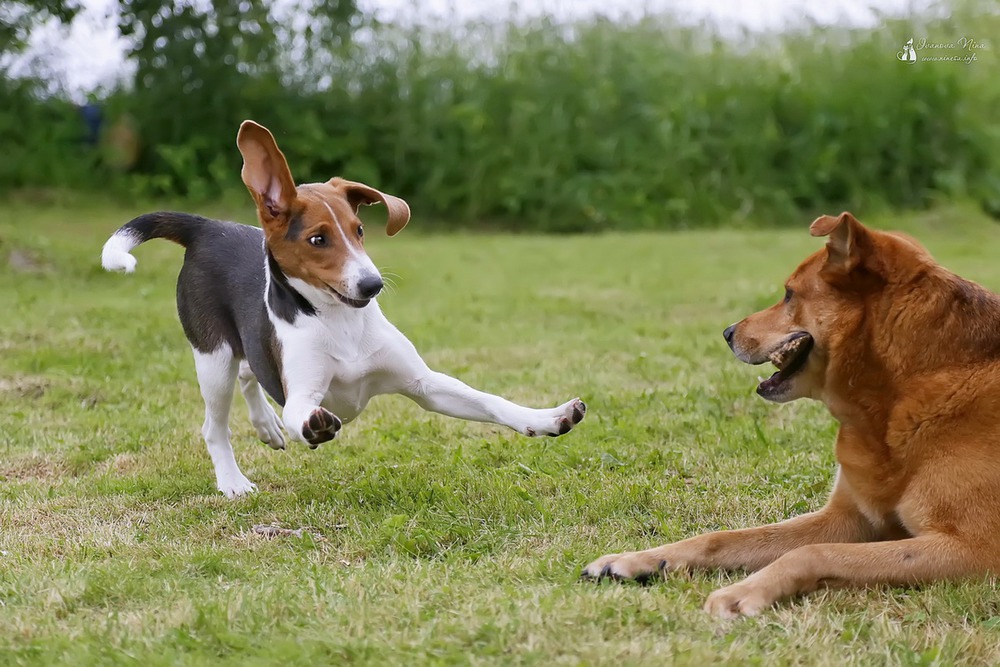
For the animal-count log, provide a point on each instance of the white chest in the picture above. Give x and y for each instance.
(337, 362)
(350, 388)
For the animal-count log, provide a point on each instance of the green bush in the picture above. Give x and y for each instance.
(589, 125)
(41, 141)
(651, 125)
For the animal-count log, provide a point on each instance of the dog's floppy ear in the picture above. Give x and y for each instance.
(847, 239)
(265, 172)
(359, 194)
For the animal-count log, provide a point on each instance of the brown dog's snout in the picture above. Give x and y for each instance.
(728, 334)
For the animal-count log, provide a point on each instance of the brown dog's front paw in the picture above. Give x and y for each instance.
(742, 599)
(639, 566)
(321, 426)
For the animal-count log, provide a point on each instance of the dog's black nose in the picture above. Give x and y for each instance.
(369, 286)
(728, 334)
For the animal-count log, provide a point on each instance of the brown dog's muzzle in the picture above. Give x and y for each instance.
(789, 356)
(728, 335)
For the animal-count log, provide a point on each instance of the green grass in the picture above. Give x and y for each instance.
(429, 540)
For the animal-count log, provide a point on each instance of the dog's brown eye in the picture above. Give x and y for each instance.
(361, 232)
(788, 295)
(319, 240)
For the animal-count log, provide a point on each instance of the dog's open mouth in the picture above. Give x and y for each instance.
(353, 303)
(789, 357)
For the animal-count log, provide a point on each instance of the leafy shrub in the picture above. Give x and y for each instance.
(551, 126)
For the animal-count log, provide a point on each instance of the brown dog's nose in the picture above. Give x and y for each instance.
(728, 334)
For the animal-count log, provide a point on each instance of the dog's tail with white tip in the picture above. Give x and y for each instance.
(180, 228)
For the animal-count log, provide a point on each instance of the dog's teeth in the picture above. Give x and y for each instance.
(760, 378)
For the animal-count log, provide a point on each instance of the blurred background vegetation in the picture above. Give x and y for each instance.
(533, 124)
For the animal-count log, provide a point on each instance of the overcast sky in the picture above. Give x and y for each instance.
(91, 53)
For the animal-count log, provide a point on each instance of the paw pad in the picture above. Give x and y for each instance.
(321, 426)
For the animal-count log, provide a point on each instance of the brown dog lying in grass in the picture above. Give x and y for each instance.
(906, 356)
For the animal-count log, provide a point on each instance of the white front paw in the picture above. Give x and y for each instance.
(560, 420)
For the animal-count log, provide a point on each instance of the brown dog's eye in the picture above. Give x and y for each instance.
(788, 295)
(319, 240)
(361, 232)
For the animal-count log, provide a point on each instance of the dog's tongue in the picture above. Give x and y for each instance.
(769, 383)
(788, 358)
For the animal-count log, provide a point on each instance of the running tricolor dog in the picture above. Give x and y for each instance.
(290, 310)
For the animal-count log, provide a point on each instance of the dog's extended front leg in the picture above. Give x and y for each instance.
(438, 392)
(749, 548)
(917, 560)
(408, 374)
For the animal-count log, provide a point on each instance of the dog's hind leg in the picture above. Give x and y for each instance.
(262, 415)
(217, 377)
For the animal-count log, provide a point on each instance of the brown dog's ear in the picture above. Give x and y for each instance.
(359, 194)
(265, 171)
(844, 245)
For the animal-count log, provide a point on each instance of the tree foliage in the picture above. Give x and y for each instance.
(207, 66)
(18, 17)
(537, 124)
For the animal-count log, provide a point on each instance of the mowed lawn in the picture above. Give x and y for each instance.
(428, 540)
